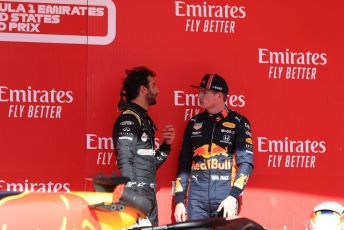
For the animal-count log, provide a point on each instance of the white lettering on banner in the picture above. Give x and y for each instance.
(212, 26)
(16, 111)
(33, 21)
(44, 111)
(291, 161)
(286, 145)
(210, 18)
(291, 153)
(18, 100)
(293, 73)
(302, 65)
(190, 113)
(221, 26)
(205, 10)
(104, 158)
(95, 142)
(191, 100)
(181, 98)
(30, 95)
(31, 186)
(184, 99)
(288, 57)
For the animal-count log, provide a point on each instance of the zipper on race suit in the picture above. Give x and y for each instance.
(209, 169)
(212, 137)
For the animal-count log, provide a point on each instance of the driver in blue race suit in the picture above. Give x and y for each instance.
(216, 159)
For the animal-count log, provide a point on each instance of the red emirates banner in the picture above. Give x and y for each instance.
(63, 63)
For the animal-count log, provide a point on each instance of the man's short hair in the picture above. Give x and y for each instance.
(136, 77)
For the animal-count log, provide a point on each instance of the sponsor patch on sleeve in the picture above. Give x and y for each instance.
(127, 123)
(125, 138)
(178, 187)
(249, 140)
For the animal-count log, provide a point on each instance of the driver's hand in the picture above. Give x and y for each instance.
(229, 206)
(180, 212)
(168, 133)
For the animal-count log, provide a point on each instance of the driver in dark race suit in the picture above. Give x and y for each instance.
(216, 156)
(134, 136)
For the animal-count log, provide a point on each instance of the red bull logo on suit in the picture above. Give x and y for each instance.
(211, 164)
(215, 151)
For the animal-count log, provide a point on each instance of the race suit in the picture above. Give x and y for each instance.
(137, 159)
(217, 153)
